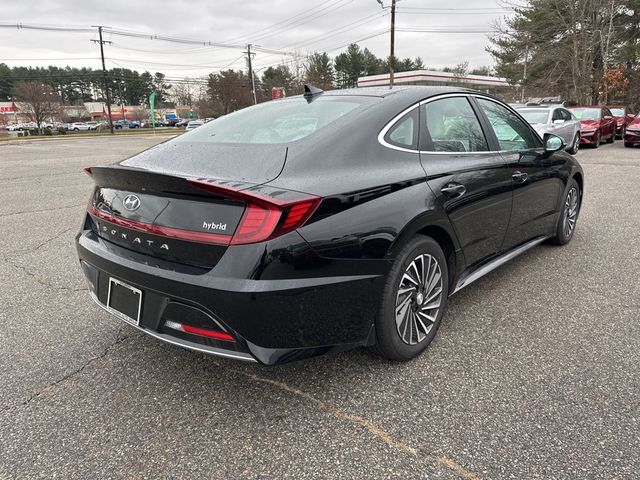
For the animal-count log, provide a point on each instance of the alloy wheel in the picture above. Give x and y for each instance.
(418, 299)
(570, 212)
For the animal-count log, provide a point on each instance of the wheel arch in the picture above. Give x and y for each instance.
(439, 228)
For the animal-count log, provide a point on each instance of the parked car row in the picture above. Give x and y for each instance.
(582, 125)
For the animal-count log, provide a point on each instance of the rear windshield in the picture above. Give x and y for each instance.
(586, 113)
(277, 121)
(535, 116)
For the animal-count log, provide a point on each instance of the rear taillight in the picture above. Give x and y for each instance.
(264, 217)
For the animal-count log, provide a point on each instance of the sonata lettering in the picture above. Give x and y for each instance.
(134, 240)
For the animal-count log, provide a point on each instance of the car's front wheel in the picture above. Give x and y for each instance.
(413, 301)
(576, 144)
(568, 215)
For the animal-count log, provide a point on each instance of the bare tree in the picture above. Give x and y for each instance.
(38, 100)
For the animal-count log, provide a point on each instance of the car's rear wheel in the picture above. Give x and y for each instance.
(414, 299)
(628, 145)
(612, 138)
(576, 144)
(568, 215)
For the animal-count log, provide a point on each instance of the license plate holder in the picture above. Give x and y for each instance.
(124, 301)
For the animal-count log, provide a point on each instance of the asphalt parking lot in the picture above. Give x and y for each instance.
(534, 374)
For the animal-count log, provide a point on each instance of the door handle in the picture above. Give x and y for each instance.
(453, 190)
(520, 177)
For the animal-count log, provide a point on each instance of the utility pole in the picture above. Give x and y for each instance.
(392, 57)
(253, 83)
(104, 75)
(524, 73)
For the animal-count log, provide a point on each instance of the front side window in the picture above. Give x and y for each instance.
(451, 125)
(618, 112)
(512, 133)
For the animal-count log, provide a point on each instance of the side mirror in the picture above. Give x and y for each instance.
(558, 121)
(553, 143)
(607, 117)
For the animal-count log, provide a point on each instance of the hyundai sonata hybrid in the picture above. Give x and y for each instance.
(323, 222)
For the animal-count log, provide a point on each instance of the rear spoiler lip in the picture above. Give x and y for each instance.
(137, 179)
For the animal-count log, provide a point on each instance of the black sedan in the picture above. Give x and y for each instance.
(323, 222)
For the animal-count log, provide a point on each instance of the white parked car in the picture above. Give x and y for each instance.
(79, 126)
(556, 120)
(194, 124)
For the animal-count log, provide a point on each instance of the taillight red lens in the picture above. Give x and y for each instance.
(262, 222)
(257, 224)
(264, 217)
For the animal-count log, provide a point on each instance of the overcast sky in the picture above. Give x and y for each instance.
(285, 25)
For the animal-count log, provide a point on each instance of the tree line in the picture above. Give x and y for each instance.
(587, 51)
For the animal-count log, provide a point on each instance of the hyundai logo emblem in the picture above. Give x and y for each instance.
(131, 202)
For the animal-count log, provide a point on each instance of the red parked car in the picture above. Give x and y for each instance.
(596, 124)
(632, 133)
(623, 118)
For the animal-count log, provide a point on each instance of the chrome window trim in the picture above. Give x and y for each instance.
(390, 124)
(393, 121)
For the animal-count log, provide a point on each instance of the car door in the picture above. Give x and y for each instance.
(561, 127)
(609, 122)
(470, 181)
(536, 174)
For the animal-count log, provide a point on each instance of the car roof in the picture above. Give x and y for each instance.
(408, 92)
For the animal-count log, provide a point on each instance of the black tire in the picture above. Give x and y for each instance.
(612, 139)
(391, 342)
(628, 145)
(576, 144)
(564, 235)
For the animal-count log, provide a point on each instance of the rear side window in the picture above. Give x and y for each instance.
(278, 121)
(404, 133)
(512, 133)
(452, 126)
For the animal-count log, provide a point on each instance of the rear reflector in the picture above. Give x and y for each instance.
(181, 327)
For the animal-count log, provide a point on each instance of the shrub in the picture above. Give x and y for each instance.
(47, 131)
(62, 131)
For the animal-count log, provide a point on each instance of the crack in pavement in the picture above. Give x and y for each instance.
(42, 281)
(40, 211)
(448, 463)
(28, 272)
(118, 340)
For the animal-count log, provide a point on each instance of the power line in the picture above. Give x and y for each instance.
(294, 18)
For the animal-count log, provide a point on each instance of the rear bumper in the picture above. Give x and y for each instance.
(272, 321)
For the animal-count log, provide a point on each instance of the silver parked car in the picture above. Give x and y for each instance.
(556, 120)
